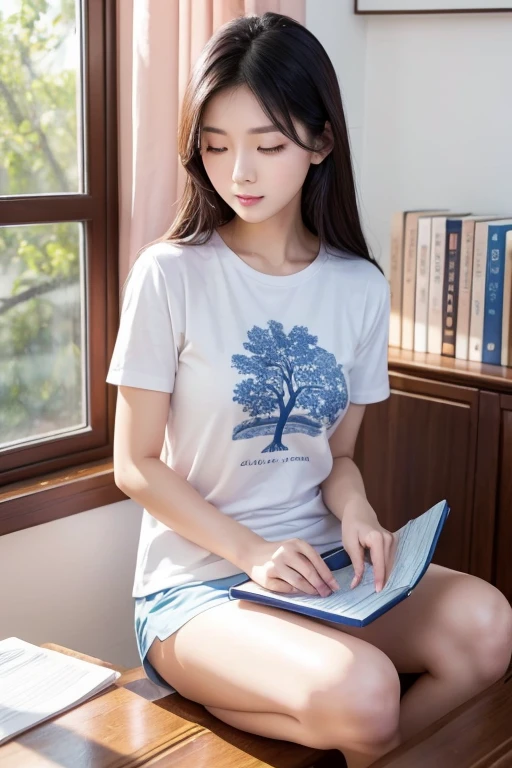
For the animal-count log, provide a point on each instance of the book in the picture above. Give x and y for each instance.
(422, 280)
(437, 282)
(38, 683)
(415, 544)
(396, 258)
(409, 275)
(465, 283)
(451, 285)
(476, 324)
(506, 339)
(494, 283)
(476, 320)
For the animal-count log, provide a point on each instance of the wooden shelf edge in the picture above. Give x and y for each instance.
(495, 378)
(79, 489)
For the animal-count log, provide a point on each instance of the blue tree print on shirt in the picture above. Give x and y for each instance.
(287, 373)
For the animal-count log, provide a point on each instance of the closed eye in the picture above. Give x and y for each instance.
(269, 150)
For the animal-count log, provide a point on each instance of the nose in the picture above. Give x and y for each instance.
(243, 170)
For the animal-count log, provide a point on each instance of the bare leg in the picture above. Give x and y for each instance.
(279, 726)
(285, 676)
(454, 628)
(457, 630)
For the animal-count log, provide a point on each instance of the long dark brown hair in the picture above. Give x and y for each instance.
(291, 75)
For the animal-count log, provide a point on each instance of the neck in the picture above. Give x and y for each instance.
(277, 242)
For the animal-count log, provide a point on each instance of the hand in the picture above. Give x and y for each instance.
(290, 566)
(361, 530)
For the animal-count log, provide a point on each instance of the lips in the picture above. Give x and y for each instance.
(249, 197)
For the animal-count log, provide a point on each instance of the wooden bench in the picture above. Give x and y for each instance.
(120, 728)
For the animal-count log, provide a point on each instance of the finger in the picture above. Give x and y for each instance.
(305, 567)
(376, 546)
(391, 542)
(281, 586)
(320, 565)
(296, 579)
(356, 553)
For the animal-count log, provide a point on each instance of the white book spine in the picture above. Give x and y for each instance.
(409, 280)
(465, 280)
(436, 285)
(476, 325)
(395, 279)
(422, 283)
(506, 344)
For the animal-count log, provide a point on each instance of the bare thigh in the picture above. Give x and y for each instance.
(450, 620)
(239, 658)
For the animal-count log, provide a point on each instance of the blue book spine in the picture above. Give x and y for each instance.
(451, 285)
(494, 283)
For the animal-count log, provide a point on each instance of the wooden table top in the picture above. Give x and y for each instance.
(119, 728)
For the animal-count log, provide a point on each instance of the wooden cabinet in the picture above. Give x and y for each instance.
(503, 540)
(445, 433)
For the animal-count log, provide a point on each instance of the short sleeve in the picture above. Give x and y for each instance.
(369, 378)
(145, 354)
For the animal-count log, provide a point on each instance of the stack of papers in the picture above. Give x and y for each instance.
(37, 683)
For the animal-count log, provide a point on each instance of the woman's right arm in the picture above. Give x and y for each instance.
(141, 418)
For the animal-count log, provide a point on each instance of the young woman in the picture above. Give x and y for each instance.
(264, 315)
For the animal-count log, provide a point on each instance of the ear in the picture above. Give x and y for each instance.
(325, 144)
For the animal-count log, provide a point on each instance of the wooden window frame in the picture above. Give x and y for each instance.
(50, 480)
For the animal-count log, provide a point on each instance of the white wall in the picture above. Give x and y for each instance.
(69, 582)
(437, 117)
(343, 35)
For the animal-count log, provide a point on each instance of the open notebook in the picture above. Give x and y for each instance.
(37, 683)
(415, 545)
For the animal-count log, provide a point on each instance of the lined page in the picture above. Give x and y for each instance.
(38, 683)
(414, 542)
(353, 603)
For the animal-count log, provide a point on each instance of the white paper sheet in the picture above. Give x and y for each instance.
(37, 683)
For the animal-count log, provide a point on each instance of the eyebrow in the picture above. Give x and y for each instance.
(262, 129)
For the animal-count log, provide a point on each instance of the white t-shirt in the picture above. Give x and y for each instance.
(262, 369)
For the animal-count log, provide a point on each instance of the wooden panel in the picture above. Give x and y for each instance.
(485, 493)
(59, 495)
(418, 448)
(503, 543)
(98, 209)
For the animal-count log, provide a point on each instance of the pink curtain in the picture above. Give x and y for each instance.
(158, 43)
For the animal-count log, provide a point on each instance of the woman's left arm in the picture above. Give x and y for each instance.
(344, 494)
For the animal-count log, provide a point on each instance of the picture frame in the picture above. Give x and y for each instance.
(380, 7)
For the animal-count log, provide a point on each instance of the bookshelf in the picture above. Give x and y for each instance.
(445, 433)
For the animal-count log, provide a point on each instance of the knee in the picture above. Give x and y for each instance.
(359, 705)
(376, 702)
(489, 632)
